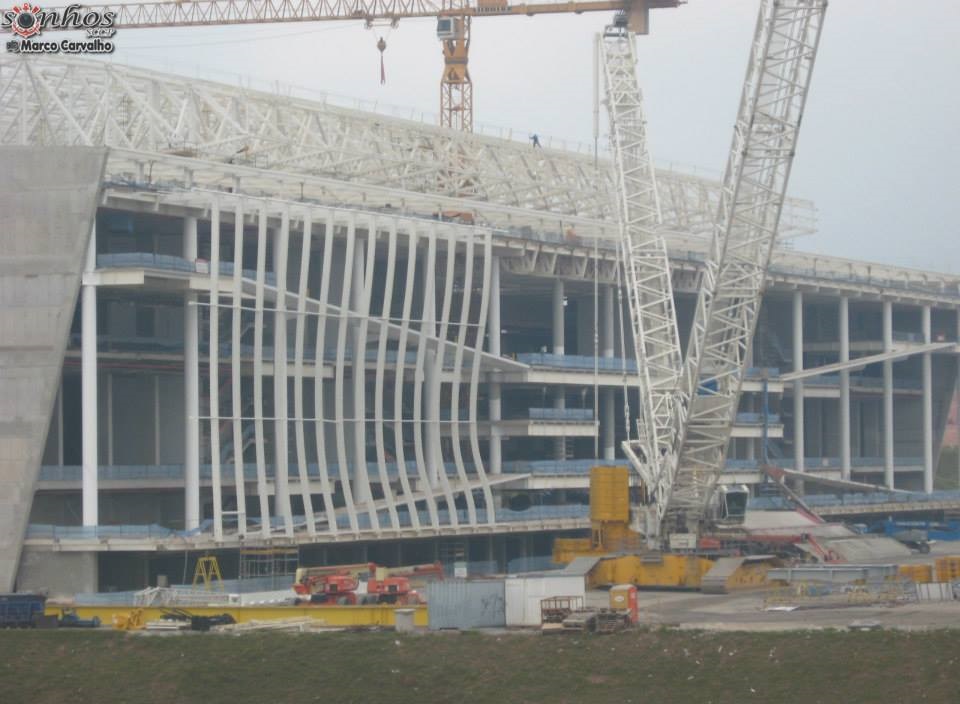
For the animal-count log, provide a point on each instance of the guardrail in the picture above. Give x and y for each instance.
(557, 467)
(577, 362)
(757, 419)
(857, 499)
(502, 515)
(561, 414)
(169, 262)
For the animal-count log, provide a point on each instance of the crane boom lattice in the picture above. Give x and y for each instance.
(644, 258)
(765, 136)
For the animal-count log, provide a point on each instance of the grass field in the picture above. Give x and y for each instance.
(641, 666)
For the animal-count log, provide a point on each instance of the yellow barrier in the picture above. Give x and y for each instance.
(920, 574)
(948, 569)
(334, 616)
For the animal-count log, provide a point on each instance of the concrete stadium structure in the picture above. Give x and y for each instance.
(443, 313)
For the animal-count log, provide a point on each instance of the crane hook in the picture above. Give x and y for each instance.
(381, 46)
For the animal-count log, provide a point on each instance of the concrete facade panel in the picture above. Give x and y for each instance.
(49, 199)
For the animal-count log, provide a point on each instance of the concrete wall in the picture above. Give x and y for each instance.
(57, 573)
(48, 198)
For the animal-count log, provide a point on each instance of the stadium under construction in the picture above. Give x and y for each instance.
(236, 320)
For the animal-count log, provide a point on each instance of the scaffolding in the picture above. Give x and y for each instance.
(273, 568)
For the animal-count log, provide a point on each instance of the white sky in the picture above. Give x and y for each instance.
(879, 152)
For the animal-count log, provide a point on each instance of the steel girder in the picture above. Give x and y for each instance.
(781, 62)
(647, 269)
(57, 100)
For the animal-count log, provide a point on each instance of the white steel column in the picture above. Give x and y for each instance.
(281, 455)
(845, 388)
(559, 333)
(927, 406)
(213, 368)
(191, 391)
(798, 445)
(493, 336)
(888, 458)
(607, 394)
(88, 388)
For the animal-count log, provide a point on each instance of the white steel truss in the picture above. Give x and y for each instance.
(502, 182)
(644, 255)
(765, 136)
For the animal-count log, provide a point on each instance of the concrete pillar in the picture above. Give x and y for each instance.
(191, 391)
(927, 406)
(845, 461)
(559, 398)
(798, 444)
(88, 390)
(607, 327)
(558, 321)
(607, 395)
(60, 424)
(109, 419)
(493, 336)
(888, 396)
(609, 425)
(156, 419)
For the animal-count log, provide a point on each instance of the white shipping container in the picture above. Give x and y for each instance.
(522, 595)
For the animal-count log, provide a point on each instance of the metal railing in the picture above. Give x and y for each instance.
(577, 415)
(577, 362)
(557, 467)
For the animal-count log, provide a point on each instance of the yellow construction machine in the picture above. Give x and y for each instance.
(626, 560)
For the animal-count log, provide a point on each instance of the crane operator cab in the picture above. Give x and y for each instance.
(732, 503)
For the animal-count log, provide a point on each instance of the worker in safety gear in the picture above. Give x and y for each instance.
(535, 138)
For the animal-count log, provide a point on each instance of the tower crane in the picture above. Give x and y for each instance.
(453, 25)
(698, 415)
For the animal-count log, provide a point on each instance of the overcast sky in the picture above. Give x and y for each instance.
(879, 152)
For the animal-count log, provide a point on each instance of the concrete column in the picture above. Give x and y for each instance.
(888, 396)
(109, 419)
(493, 336)
(60, 424)
(559, 398)
(798, 445)
(607, 327)
(607, 397)
(191, 391)
(156, 419)
(558, 322)
(609, 425)
(927, 406)
(845, 388)
(88, 390)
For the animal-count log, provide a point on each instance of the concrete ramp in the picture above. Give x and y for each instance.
(48, 201)
(866, 549)
(715, 581)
